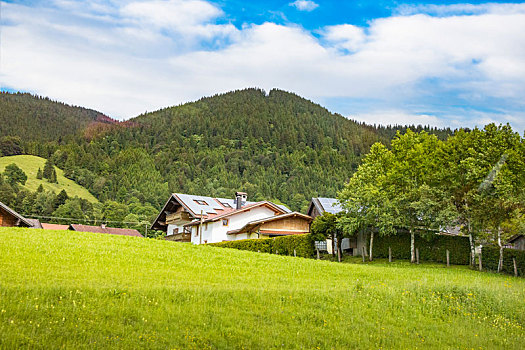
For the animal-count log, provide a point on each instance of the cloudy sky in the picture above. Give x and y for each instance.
(446, 63)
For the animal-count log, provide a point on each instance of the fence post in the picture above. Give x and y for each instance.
(294, 253)
(318, 256)
(515, 267)
(479, 261)
(389, 254)
(277, 252)
(448, 258)
(417, 256)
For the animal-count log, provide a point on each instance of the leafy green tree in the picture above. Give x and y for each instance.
(15, 175)
(420, 204)
(366, 199)
(501, 193)
(72, 208)
(461, 174)
(325, 226)
(7, 194)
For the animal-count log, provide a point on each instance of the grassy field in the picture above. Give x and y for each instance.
(30, 165)
(81, 290)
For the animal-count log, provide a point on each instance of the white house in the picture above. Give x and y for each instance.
(201, 219)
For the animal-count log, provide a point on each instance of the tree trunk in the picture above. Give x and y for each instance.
(339, 252)
(500, 262)
(471, 239)
(371, 245)
(472, 250)
(412, 247)
(333, 244)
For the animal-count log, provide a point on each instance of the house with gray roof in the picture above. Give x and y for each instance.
(203, 219)
(352, 245)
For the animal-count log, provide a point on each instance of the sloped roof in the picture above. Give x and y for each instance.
(209, 206)
(35, 223)
(104, 229)
(252, 224)
(13, 213)
(330, 205)
(54, 227)
(515, 238)
(230, 212)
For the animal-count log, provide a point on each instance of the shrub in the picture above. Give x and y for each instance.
(431, 248)
(285, 245)
(490, 259)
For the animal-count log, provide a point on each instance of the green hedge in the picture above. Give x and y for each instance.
(284, 245)
(490, 259)
(431, 248)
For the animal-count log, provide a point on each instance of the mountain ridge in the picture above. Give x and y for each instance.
(276, 145)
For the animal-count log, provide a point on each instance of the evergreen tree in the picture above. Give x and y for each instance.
(61, 198)
(48, 169)
(53, 178)
(40, 189)
(39, 174)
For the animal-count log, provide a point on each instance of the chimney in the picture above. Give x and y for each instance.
(240, 199)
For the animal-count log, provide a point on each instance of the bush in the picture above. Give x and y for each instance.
(431, 248)
(490, 259)
(285, 245)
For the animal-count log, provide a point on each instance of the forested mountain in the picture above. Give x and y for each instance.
(275, 146)
(34, 118)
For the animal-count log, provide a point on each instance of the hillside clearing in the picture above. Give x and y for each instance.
(81, 290)
(30, 164)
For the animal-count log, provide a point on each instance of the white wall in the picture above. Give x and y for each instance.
(216, 232)
(172, 227)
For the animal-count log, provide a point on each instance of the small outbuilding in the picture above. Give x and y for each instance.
(517, 242)
(10, 218)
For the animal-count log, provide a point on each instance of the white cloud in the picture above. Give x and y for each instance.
(460, 9)
(304, 5)
(125, 57)
(345, 36)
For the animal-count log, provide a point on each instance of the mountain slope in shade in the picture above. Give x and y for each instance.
(35, 118)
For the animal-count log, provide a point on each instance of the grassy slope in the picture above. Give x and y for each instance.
(81, 290)
(30, 165)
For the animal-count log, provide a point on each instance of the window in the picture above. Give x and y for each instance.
(225, 222)
(226, 205)
(200, 202)
(175, 231)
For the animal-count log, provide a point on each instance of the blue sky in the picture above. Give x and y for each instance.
(446, 63)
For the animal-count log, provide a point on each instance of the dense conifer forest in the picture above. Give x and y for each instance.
(275, 146)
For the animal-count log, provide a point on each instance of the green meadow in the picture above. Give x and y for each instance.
(30, 164)
(62, 289)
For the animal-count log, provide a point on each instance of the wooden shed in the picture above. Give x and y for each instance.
(279, 225)
(10, 218)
